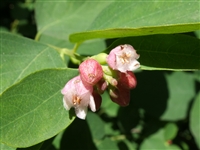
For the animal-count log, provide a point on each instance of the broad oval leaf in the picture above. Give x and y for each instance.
(5, 147)
(181, 88)
(157, 141)
(170, 131)
(33, 110)
(165, 52)
(21, 56)
(163, 95)
(66, 18)
(136, 18)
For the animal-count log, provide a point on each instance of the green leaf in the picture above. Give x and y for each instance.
(164, 95)
(165, 52)
(21, 56)
(157, 141)
(197, 33)
(181, 88)
(194, 119)
(77, 137)
(57, 140)
(136, 18)
(66, 18)
(96, 126)
(107, 144)
(34, 147)
(33, 109)
(170, 131)
(108, 106)
(5, 147)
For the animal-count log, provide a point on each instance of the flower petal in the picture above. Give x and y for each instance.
(81, 112)
(67, 103)
(92, 104)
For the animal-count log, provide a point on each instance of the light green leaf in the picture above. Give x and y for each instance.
(5, 147)
(170, 131)
(110, 19)
(107, 144)
(21, 56)
(181, 89)
(136, 18)
(164, 95)
(194, 119)
(197, 33)
(67, 17)
(157, 142)
(165, 52)
(33, 109)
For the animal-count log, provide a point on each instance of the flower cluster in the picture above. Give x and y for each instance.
(85, 90)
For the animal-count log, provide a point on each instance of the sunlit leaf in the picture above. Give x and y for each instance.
(33, 109)
(136, 18)
(21, 56)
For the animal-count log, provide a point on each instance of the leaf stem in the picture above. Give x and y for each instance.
(76, 47)
(37, 37)
(76, 58)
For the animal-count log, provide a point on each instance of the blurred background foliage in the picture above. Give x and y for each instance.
(161, 115)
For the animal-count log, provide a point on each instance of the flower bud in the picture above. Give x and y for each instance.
(127, 80)
(120, 95)
(101, 86)
(97, 100)
(123, 58)
(90, 71)
(100, 58)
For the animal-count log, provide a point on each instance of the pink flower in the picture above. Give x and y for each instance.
(127, 80)
(123, 58)
(78, 95)
(90, 71)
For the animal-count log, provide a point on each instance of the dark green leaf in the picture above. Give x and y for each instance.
(96, 126)
(165, 52)
(77, 137)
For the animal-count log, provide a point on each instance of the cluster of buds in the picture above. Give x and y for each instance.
(85, 90)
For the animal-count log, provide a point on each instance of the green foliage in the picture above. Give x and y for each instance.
(164, 108)
(194, 119)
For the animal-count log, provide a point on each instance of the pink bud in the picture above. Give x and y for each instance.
(120, 95)
(123, 58)
(127, 80)
(78, 95)
(90, 71)
(101, 86)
